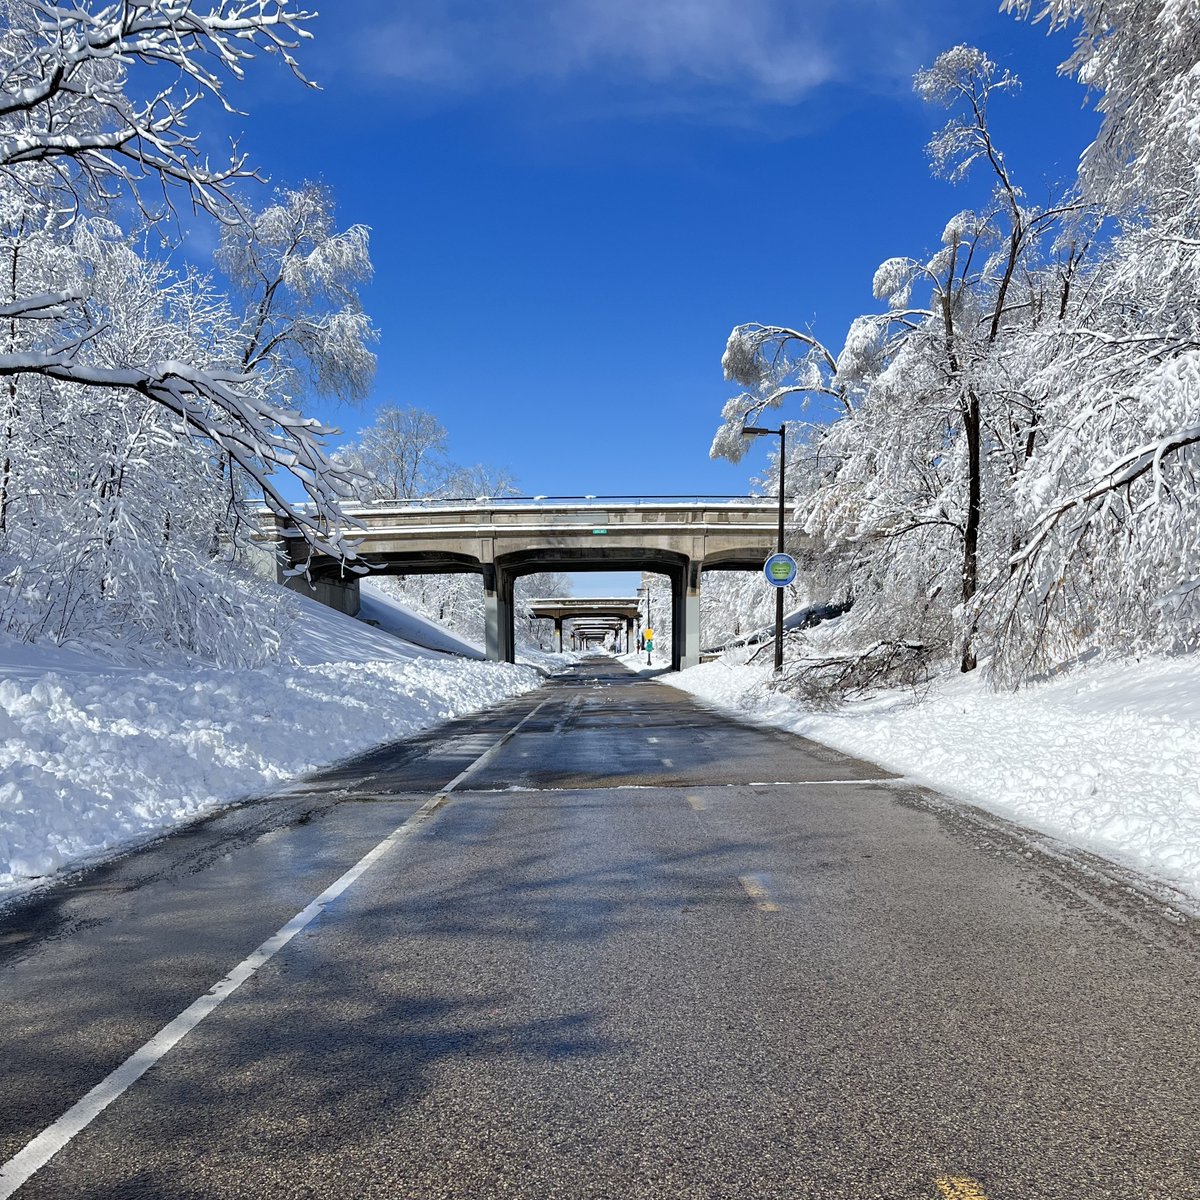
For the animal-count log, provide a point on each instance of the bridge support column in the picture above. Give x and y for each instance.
(678, 618)
(505, 589)
(340, 592)
(497, 617)
(628, 635)
(691, 618)
(558, 634)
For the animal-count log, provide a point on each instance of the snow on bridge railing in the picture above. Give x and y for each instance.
(548, 501)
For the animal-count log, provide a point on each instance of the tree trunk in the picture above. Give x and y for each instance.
(970, 574)
(10, 415)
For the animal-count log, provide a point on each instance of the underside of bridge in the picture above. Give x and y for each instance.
(508, 568)
(586, 613)
(333, 585)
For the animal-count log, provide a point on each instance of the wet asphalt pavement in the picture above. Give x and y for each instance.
(643, 951)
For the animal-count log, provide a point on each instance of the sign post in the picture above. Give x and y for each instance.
(781, 433)
(779, 570)
(649, 641)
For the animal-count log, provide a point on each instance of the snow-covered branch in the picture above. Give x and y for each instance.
(761, 358)
(64, 101)
(222, 407)
(43, 308)
(73, 134)
(1146, 460)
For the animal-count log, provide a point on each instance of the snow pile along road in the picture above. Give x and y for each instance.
(1106, 757)
(93, 756)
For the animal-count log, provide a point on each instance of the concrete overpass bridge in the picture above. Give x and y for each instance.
(586, 612)
(585, 634)
(502, 539)
(588, 636)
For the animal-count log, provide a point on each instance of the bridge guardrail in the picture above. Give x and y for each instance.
(586, 501)
(420, 503)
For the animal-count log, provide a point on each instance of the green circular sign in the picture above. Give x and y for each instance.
(780, 570)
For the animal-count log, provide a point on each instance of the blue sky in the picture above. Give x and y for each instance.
(573, 201)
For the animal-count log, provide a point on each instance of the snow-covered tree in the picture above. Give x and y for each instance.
(1138, 58)
(1110, 558)
(478, 482)
(142, 412)
(401, 455)
(734, 604)
(455, 601)
(772, 363)
(298, 278)
(911, 489)
(534, 631)
(109, 513)
(83, 132)
(658, 605)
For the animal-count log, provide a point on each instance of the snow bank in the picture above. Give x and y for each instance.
(388, 613)
(1106, 757)
(93, 756)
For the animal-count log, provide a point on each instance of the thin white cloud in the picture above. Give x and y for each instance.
(770, 51)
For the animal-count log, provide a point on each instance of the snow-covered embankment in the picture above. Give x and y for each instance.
(93, 756)
(1107, 757)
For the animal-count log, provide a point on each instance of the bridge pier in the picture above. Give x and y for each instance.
(500, 643)
(691, 618)
(497, 615)
(507, 586)
(678, 618)
(558, 624)
(341, 593)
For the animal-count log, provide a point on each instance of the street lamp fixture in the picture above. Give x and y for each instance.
(753, 431)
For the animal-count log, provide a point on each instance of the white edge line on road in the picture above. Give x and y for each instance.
(810, 782)
(898, 781)
(37, 1153)
(487, 756)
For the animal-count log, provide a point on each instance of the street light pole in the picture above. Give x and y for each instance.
(649, 625)
(759, 431)
(779, 548)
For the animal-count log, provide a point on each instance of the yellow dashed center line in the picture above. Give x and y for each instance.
(758, 892)
(960, 1187)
